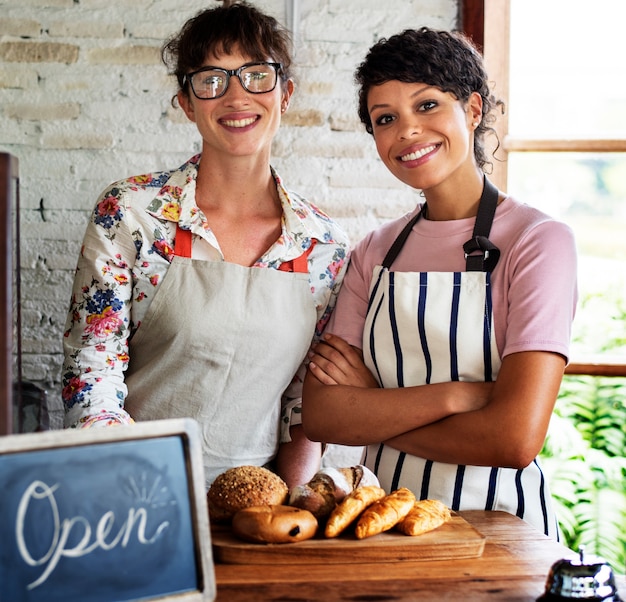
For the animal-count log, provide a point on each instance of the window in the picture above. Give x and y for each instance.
(555, 63)
(563, 143)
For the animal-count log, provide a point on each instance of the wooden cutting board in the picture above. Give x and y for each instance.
(455, 539)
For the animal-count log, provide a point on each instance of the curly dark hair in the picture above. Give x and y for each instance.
(219, 30)
(447, 60)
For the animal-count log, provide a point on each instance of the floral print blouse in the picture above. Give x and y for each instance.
(126, 252)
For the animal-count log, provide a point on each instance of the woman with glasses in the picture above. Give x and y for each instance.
(199, 290)
(453, 324)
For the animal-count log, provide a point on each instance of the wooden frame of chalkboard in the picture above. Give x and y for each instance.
(105, 514)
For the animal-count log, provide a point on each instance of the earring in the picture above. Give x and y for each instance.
(476, 124)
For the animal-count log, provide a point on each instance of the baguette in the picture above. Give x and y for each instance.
(350, 508)
(385, 513)
(425, 516)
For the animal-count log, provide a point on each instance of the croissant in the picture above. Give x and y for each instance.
(350, 508)
(385, 513)
(425, 516)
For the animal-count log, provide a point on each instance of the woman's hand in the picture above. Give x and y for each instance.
(335, 362)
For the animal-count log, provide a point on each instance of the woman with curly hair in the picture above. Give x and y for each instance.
(446, 351)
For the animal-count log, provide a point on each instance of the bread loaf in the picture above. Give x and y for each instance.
(317, 496)
(329, 487)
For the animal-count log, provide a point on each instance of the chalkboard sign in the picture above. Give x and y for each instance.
(105, 515)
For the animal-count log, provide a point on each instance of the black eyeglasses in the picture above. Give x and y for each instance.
(212, 82)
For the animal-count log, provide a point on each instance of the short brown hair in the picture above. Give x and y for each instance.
(219, 30)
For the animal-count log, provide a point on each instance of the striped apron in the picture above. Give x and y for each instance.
(430, 327)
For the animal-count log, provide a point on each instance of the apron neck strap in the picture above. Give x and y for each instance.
(481, 255)
(301, 263)
(397, 245)
(182, 242)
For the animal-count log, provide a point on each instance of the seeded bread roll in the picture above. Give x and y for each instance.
(242, 487)
(274, 524)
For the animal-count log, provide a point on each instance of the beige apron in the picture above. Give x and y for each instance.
(220, 343)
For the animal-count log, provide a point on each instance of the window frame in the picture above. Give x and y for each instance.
(10, 323)
(487, 23)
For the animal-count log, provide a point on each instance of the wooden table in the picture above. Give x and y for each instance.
(513, 567)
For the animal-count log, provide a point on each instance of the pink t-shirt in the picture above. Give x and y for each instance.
(534, 287)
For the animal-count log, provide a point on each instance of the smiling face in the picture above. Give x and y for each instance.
(238, 123)
(423, 135)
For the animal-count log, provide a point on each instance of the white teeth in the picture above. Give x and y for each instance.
(239, 123)
(418, 154)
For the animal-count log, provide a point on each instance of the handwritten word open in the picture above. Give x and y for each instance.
(102, 535)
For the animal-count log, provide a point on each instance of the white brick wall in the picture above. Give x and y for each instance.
(85, 100)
